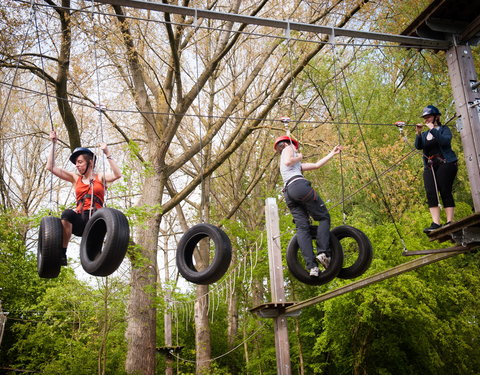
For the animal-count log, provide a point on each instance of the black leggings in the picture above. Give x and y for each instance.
(445, 174)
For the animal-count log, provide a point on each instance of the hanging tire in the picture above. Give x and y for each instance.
(221, 259)
(295, 259)
(104, 242)
(363, 249)
(49, 248)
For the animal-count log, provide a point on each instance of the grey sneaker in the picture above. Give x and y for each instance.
(314, 271)
(323, 259)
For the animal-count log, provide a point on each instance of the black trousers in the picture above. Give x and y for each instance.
(304, 202)
(445, 174)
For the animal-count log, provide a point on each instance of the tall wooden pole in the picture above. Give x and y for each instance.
(277, 286)
(467, 104)
(3, 320)
(167, 325)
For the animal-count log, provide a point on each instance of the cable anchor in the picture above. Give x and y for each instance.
(101, 108)
(400, 125)
(285, 120)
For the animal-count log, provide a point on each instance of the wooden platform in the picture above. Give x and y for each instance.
(462, 232)
(271, 309)
(169, 350)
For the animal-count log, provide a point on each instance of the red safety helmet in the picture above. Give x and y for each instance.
(285, 138)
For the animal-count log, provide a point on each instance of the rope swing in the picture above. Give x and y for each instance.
(50, 233)
(191, 238)
(106, 234)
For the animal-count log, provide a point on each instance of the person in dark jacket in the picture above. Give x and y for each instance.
(440, 165)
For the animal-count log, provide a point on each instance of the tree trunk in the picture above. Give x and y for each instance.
(141, 329)
(232, 319)
(202, 331)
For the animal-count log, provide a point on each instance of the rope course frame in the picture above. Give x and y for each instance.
(287, 36)
(376, 278)
(299, 26)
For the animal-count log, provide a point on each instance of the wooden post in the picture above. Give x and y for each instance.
(3, 320)
(467, 105)
(167, 325)
(277, 285)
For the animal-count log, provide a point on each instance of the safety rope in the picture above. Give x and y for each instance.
(240, 118)
(337, 115)
(49, 109)
(100, 110)
(197, 87)
(377, 179)
(292, 85)
(285, 119)
(255, 333)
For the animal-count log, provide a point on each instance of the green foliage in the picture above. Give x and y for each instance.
(60, 325)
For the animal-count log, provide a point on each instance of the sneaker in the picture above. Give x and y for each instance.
(432, 227)
(314, 271)
(323, 259)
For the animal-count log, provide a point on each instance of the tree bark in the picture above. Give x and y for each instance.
(202, 331)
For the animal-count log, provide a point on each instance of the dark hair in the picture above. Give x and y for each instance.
(281, 145)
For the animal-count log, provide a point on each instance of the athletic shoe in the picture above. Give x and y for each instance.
(432, 227)
(323, 259)
(314, 271)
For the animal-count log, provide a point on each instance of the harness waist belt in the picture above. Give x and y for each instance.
(432, 158)
(293, 179)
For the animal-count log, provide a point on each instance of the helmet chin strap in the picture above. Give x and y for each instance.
(86, 170)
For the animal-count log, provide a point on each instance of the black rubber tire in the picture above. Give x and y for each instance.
(49, 248)
(365, 251)
(298, 270)
(104, 242)
(220, 262)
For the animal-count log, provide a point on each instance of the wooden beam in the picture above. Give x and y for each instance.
(387, 274)
(434, 251)
(447, 232)
(472, 29)
(407, 41)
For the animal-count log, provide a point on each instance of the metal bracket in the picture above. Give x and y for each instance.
(467, 236)
(459, 124)
(474, 85)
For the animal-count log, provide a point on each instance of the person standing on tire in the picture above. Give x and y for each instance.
(439, 165)
(304, 202)
(85, 181)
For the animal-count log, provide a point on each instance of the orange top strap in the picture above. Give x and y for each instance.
(83, 193)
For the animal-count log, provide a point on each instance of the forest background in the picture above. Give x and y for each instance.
(192, 109)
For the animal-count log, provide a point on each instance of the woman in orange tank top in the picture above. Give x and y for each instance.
(87, 185)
